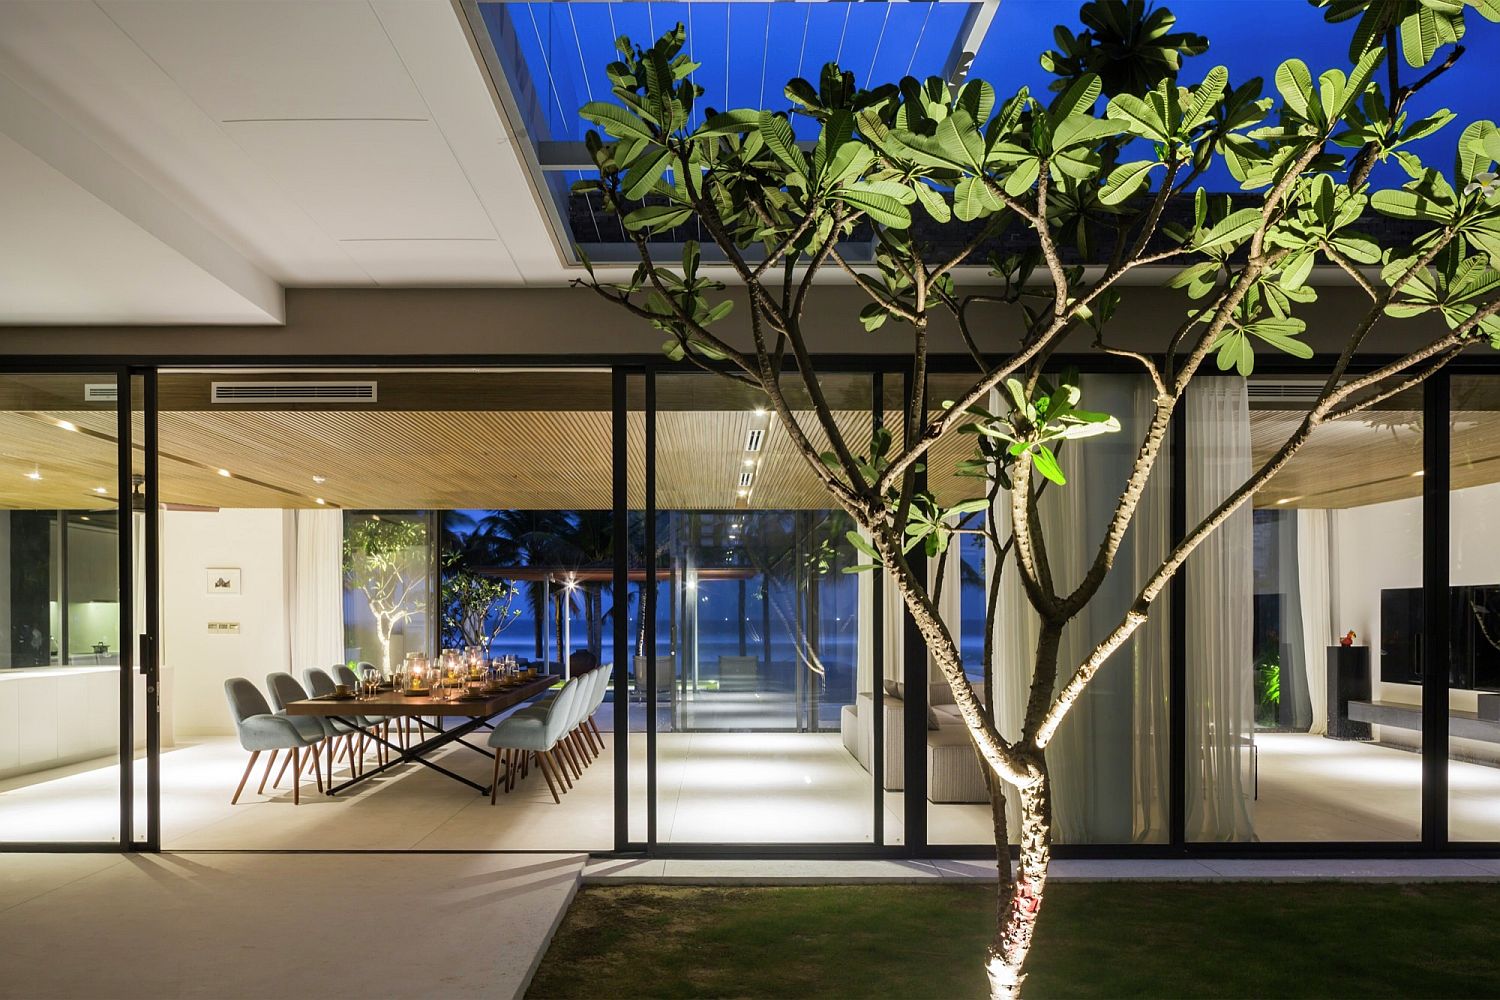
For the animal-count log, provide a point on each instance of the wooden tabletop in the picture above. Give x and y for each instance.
(389, 703)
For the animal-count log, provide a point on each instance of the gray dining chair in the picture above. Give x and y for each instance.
(259, 730)
(321, 684)
(380, 724)
(284, 690)
(528, 735)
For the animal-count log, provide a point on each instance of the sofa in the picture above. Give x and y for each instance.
(953, 772)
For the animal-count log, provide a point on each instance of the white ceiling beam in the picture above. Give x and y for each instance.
(57, 142)
(977, 21)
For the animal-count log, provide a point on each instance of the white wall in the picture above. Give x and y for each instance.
(1379, 547)
(253, 541)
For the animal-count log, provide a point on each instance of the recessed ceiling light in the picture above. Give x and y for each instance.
(1288, 499)
(321, 500)
(67, 425)
(85, 517)
(224, 473)
(760, 411)
(744, 493)
(101, 489)
(320, 479)
(1420, 472)
(749, 461)
(34, 474)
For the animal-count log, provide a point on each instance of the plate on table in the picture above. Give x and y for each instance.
(337, 697)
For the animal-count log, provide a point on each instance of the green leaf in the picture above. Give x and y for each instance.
(1125, 180)
(615, 120)
(776, 131)
(933, 201)
(1234, 227)
(878, 203)
(657, 217)
(1295, 84)
(1021, 179)
(1077, 99)
(1046, 464)
(644, 173)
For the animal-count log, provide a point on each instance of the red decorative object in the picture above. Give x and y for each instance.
(1348, 639)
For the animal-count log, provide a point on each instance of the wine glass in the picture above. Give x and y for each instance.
(371, 676)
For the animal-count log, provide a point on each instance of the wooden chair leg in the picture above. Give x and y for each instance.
(285, 763)
(245, 777)
(495, 782)
(269, 764)
(571, 755)
(510, 770)
(595, 727)
(296, 776)
(317, 762)
(558, 762)
(588, 737)
(541, 761)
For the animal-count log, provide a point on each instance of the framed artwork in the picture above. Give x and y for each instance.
(223, 580)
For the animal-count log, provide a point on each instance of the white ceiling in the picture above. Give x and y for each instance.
(183, 161)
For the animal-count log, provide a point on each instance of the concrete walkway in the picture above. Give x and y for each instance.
(617, 871)
(238, 926)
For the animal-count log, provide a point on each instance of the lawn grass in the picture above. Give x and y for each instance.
(1096, 940)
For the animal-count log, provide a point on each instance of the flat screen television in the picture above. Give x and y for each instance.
(1473, 634)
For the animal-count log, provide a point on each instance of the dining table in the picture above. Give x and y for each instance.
(477, 708)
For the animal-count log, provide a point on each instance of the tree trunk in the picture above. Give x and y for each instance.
(384, 626)
(1005, 962)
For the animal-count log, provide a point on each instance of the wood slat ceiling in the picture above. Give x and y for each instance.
(532, 440)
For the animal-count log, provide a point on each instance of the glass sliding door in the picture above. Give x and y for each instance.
(1474, 610)
(1293, 736)
(761, 635)
(315, 521)
(63, 680)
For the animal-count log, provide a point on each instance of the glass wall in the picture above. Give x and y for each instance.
(60, 683)
(1474, 600)
(1109, 759)
(1293, 735)
(758, 627)
(313, 518)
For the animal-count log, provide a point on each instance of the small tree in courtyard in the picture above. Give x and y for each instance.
(476, 607)
(383, 560)
(1108, 168)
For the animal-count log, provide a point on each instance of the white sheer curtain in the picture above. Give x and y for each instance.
(1314, 556)
(315, 588)
(950, 608)
(1109, 759)
(1220, 605)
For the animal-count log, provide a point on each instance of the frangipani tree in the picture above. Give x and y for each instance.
(1088, 174)
(382, 559)
(476, 607)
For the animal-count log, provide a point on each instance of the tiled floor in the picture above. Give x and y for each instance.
(712, 787)
(236, 926)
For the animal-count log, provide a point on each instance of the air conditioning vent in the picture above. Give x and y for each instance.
(101, 392)
(294, 392)
(1273, 391)
(746, 478)
(755, 439)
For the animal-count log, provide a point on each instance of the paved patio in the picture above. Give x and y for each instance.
(234, 926)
